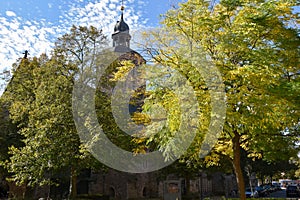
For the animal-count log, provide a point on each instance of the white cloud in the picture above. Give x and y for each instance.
(104, 14)
(10, 13)
(18, 34)
(112, 6)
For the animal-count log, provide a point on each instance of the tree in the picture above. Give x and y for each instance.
(252, 45)
(40, 96)
(8, 137)
(273, 171)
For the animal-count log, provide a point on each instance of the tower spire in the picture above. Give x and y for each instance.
(122, 10)
(122, 6)
(121, 37)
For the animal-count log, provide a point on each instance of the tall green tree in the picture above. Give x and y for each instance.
(40, 97)
(253, 45)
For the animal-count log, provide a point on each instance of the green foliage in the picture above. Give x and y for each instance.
(247, 42)
(8, 135)
(81, 45)
(103, 107)
(255, 49)
(40, 104)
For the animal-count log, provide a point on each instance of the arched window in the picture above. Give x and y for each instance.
(145, 192)
(112, 192)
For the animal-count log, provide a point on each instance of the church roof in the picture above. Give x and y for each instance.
(121, 26)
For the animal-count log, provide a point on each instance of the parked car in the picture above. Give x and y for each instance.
(251, 193)
(276, 185)
(262, 192)
(292, 191)
(268, 188)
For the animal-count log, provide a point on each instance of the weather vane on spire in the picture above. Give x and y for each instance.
(26, 53)
(122, 7)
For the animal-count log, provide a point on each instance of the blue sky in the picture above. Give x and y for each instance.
(34, 24)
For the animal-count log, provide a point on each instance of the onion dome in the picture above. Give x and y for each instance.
(121, 26)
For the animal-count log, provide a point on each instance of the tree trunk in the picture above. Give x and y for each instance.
(237, 166)
(73, 184)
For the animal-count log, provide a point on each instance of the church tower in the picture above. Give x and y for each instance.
(121, 42)
(121, 46)
(121, 37)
